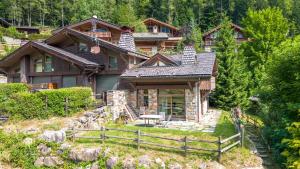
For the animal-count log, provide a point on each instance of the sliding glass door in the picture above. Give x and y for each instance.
(172, 103)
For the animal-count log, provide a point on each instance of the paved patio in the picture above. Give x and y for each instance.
(207, 123)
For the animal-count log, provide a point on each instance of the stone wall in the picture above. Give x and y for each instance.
(153, 103)
(116, 100)
(190, 105)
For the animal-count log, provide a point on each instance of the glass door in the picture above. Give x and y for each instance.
(171, 103)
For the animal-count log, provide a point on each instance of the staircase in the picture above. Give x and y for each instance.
(132, 112)
(262, 149)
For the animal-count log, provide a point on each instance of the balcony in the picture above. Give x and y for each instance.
(99, 34)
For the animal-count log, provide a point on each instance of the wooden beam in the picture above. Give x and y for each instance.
(162, 87)
(190, 86)
(123, 58)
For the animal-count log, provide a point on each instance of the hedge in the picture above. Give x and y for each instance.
(20, 103)
(7, 89)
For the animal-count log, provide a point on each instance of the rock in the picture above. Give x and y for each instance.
(84, 154)
(49, 161)
(175, 166)
(43, 149)
(89, 114)
(144, 161)
(111, 162)
(215, 165)
(28, 141)
(82, 119)
(95, 166)
(54, 136)
(203, 165)
(106, 152)
(160, 163)
(31, 130)
(64, 146)
(93, 125)
(39, 162)
(128, 163)
(52, 161)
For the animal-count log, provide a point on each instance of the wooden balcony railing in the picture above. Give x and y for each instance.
(99, 34)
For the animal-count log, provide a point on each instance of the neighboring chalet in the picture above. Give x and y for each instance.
(176, 86)
(160, 36)
(22, 29)
(210, 37)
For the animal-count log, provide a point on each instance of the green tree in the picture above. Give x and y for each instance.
(266, 29)
(280, 96)
(232, 79)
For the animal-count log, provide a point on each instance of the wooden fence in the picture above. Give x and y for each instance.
(138, 138)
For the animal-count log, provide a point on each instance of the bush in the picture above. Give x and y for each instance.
(35, 36)
(7, 90)
(26, 105)
(19, 103)
(78, 98)
(12, 32)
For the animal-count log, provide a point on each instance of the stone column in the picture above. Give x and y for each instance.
(190, 104)
(153, 104)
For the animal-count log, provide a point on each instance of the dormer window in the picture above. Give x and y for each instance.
(113, 62)
(83, 47)
(159, 63)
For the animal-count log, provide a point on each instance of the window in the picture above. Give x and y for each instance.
(101, 30)
(43, 64)
(159, 63)
(113, 62)
(83, 47)
(146, 98)
(38, 65)
(165, 29)
(48, 64)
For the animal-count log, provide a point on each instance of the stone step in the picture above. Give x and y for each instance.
(262, 151)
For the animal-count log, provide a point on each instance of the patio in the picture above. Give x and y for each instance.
(207, 123)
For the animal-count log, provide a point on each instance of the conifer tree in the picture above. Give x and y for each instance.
(232, 79)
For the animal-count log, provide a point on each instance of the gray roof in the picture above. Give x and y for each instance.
(203, 67)
(150, 36)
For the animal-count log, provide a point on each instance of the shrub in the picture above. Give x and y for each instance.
(26, 105)
(35, 36)
(6, 90)
(78, 98)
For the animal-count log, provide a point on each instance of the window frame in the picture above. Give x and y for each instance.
(42, 61)
(110, 65)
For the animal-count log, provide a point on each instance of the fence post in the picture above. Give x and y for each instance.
(103, 134)
(185, 146)
(138, 138)
(66, 104)
(219, 149)
(242, 135)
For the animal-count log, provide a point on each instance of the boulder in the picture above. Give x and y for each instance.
(43, 149)
(54, 136)
(128, 163)
(111, 162)
(89, 114)
(82, 119)
(84, 154)
(161, 164)
(144, 161)
(175, 166)
(64, 146)
(28, 141)
(49, 161)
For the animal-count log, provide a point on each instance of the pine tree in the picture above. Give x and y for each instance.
(232, 80)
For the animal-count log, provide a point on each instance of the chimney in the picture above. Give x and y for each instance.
(126, 39)
(189, 55)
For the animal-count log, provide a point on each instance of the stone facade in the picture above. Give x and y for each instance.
(153, 102)
(191, 105)
(116, 100)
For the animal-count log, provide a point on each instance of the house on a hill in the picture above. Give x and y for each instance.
(210, 36)
(176, 85)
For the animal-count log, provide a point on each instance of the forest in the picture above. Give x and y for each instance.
(266, 67)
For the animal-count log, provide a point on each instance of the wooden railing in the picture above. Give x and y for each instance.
(139, 139)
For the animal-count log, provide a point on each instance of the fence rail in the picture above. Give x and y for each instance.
(140, 138)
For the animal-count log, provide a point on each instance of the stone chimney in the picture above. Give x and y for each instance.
(126, 39)
(189, 55)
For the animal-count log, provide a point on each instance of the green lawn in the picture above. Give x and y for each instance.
(224, 128)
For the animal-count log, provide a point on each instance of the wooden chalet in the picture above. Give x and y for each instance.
(210, 36)
(21, 29)
(176, 86)
(160, 36)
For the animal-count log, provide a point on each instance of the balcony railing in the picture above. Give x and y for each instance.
(99, 34)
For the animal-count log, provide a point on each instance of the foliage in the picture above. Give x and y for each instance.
(280, 96)
(232, 77)
(224, 127)
(266, 29)
(293, 146)
(12, 32)
(18, 102)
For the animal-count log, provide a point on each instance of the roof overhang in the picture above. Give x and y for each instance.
(160, 22)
